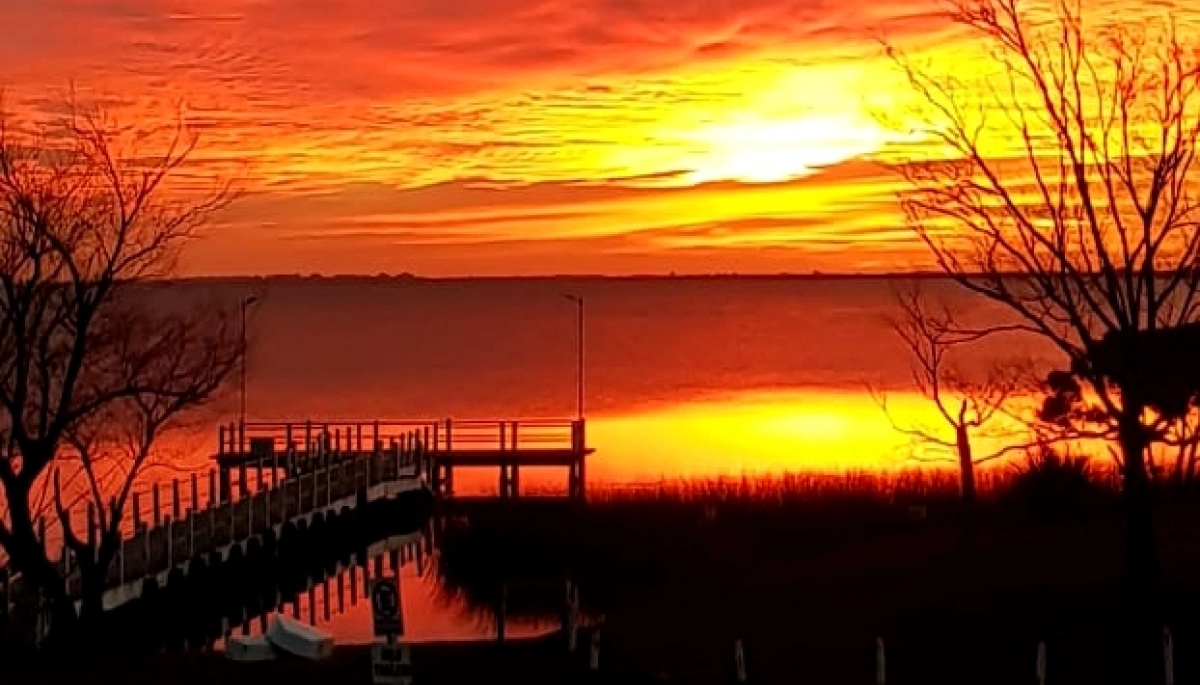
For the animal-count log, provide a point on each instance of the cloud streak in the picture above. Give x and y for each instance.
(422, 135)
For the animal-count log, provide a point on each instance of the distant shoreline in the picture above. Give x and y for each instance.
(411, 278)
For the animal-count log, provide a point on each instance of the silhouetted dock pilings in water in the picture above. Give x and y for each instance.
(278, 482)
(507, 445)
(216, 596)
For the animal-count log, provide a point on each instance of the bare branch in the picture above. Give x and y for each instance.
(97, 362)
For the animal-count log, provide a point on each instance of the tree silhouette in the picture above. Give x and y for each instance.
(95, 362)
(1086, 228)
(971, 406)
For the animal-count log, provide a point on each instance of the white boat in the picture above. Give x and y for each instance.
(241, 648)
(298, 639)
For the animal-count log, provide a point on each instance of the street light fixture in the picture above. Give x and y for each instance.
(578, 300)
(245, 305)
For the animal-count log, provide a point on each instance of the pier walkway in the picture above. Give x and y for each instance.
(185, 525)
(273, 476)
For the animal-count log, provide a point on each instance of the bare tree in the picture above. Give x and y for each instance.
(971, 406)
(90, 351)
(1086, 230)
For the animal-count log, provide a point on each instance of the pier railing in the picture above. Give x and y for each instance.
(174, 522)
(439, 437)
(201, 527)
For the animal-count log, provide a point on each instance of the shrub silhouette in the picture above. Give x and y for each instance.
(1051, 486)
(1160, 366)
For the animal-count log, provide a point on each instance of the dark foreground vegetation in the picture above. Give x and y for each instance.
(809, 571)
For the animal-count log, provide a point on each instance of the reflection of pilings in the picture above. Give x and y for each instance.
(261, 578)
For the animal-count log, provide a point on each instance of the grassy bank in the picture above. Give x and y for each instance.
(809, 570)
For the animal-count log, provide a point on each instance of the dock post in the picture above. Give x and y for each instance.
(449, 443)
(243, 481)
(308, 442)
(287, 434)
(137, 513)
(213, 494)
(212, 506)
(579, 438)
(225, 490)
(154, 502)
(266, 493)
(148, 551)
(176, 505)
(358, 438)
(503, 440)
(170, 543)
(195, 492)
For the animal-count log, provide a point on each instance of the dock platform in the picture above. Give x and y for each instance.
(296, 447)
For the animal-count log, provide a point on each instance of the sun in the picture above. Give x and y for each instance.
(756, 150)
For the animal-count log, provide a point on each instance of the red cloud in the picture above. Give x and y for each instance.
(366, 48)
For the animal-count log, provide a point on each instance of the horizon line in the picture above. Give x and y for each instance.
(733, 275)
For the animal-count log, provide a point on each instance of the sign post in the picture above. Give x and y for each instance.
(391, 663)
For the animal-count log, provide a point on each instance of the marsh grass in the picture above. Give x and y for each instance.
(638, 538)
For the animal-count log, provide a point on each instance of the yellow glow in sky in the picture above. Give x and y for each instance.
(521, 136)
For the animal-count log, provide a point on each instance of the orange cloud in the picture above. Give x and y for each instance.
(510, 136)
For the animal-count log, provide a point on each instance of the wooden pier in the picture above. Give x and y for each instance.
(275, 476)
(180, 526)
(507, 445)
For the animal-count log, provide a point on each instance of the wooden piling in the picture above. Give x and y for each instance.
(170, 543)
(156, 504)
(177, 506)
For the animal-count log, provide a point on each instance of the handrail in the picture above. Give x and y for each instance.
(348, 436)
(180, 523)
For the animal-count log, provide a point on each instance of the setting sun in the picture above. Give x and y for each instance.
(754, 150)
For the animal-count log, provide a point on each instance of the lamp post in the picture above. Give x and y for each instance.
(578, 300)
(245, 305)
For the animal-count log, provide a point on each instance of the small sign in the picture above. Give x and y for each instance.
(391, 664)
(385, 607)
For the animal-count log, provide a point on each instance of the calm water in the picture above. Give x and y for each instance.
(684, 378)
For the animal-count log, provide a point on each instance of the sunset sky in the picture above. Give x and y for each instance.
(512, 136)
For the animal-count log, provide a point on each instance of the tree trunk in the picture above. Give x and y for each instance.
(27, 555)
(966, 470)
(1140, 550)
